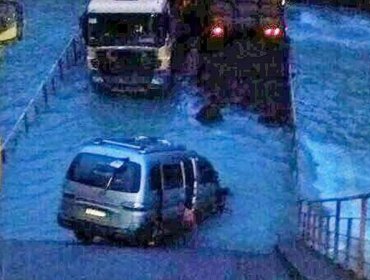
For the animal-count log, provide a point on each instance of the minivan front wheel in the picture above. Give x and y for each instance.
(84, 237)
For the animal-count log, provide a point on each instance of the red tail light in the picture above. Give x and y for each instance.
(273, 32)
(217, 31)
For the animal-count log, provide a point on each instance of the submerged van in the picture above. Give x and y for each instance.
(119, 188)
(11, 21)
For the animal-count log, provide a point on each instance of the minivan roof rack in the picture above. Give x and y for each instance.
(142, 144)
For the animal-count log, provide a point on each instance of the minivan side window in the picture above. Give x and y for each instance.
(206, 173)
(172, 176)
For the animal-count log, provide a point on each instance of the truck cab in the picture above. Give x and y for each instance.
(128, 45)
(11, 21)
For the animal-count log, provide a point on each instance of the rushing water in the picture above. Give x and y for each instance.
(331, 56)
(253, 161)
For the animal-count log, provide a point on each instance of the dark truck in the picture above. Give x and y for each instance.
(243, 52)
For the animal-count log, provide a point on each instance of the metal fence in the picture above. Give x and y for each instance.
(339, 229)
(71, 55)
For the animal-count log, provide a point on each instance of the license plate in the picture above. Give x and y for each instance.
(95, 213)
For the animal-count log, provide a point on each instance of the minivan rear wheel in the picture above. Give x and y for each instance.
(84, 237)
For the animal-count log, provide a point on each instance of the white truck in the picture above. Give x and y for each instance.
(129, 45)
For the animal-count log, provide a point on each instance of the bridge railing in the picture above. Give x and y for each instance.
(339, 229)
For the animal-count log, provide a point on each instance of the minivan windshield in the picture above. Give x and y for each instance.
(105, 172)
(125, 29)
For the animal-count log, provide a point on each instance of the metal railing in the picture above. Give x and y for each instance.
(338, 229)
(71, 55)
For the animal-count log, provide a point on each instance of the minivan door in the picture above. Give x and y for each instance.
(206, 185)
(173, 185)
(190, 182)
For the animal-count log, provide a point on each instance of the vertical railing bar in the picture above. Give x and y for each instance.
(320, 243)
(348, 241)
(362, 237)
(314, 224)
(337, 229)
(304, 221)
(300, 207)
(308, 223)
(74, 51)
(25, 119)
(60, 64)
(327, 235)
(45, 93)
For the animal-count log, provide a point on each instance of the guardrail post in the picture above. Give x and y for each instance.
(304, 224)
(327, 235)
(300, 207)
(314, 222)
(25, 119)
(308, 223)
(45, 93)
(348, 240)
(362, 238)
(67, 58)
(321, 220)
(337, 229)
(74, 47)
(60, 64)
(53, 85)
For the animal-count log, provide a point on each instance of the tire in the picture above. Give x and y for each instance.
(84, 237)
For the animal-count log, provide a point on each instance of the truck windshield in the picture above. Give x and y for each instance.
(102, 171)
(124, 29)
(7, 15)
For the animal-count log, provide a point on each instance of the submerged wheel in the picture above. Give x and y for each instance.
(84, 237)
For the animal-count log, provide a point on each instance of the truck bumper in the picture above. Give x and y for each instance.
(159, 85)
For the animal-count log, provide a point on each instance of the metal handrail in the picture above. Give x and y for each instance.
(324, 233)
(334, 199)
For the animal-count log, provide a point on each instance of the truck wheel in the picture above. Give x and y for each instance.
(84, 237)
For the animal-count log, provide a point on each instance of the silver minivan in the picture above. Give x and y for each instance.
(119, 188)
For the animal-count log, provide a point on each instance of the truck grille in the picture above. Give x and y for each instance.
(120, 61)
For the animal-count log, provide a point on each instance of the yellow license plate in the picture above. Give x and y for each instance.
(95, 213)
